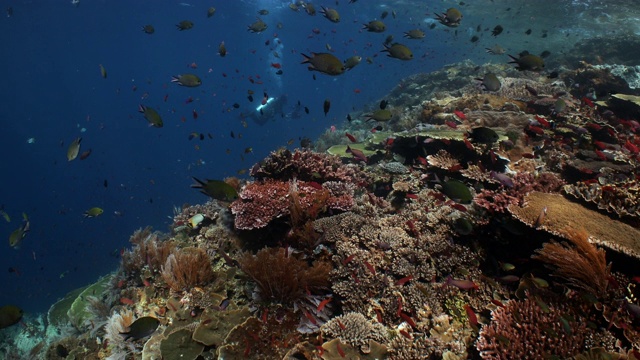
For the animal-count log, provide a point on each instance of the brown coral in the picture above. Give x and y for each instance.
(186, 268)
(283, 278)
(562, 214)
(584, 266)
(149, 251)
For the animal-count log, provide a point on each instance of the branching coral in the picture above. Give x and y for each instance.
(354, 329)
(523, 330)
(186, 268)
(584, 266)
(283, 278)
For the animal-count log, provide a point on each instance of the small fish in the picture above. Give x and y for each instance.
(5, 215)
(541, 217)
(151, 115)
(414, 34)
(188, 80)
(85, 154)
(325, 63)
(330, 14)
(350, 137)
(103, 71)
(93, 212)
(9, 315)
(496, 50)
(211, 11)
(184, 25)
(380, 115)
(326, 106)
(216, 189)
(74, 149)
(461, 284)
(195, 220)
(473, 318)
(483, 135)
(357, 154)
(222, 50)
(258, 26)
(141, 328)
(16, 237)
(351, 62)
(497, 30)
(398, 51)
(148, 29)
(457, 191)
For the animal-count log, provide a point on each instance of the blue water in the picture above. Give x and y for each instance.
(52, 91)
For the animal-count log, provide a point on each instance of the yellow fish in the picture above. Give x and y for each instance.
(103, 72)
(5, 215)
(16, 237)
(74, 149)
(93, 212)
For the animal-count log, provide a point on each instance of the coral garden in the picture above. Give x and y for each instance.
(475, 224)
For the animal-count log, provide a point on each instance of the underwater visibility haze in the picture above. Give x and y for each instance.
(333, 179)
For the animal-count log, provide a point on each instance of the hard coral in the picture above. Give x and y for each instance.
(283, 278)
(562, 214)
(523, 330)
(354, 329)
(306, 165)
(264, 201)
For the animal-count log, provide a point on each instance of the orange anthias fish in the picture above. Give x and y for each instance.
(357, 154)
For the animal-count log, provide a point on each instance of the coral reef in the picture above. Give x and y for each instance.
(441, 244)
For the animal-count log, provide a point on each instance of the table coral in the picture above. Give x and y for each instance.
(563, 215)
